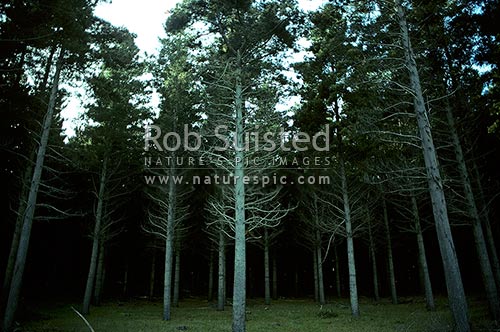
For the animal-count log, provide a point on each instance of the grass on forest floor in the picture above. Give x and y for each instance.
(281, 316)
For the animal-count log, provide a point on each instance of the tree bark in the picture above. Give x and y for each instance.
(353, 287)
(99, 274)
(125, 281)
(429, 297)
(315, 274)
(46, 73)
(351, 262)
(24, 192)
(177, 276)
(169, 247)
(22, 251)
(13, 253)
(490, 240)
(390, 261)
(210, 295)
(296, 280)
(239, 286)
(275, 278)
(321, 286)
(17, 234)
(337, 272)
(221, 285)
(456, 294)
(95, 240)
(479, 241)
(373, 257)
(152, 275)
(267, 274)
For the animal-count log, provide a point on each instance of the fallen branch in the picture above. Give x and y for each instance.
(85, 320)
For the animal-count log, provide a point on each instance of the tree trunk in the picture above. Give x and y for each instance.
(99, 274)
(95, 240)
(321, 287)
(17, 234)
(267, 276)
(456, 294)
(374, 262)
(103, 280)
(353, 287)
(48, 66)
(239, 286)
(480, 243)
(125, 282)
(24, 193)
(275, 278)
(22, 251)
(351, 262)
(296, 280)
(390, 262)
(337, 273)
(250, 283)
(210, 296)
(224, 287)
(429, 297)
(490, 240)
(221, 285)
(13, 251)
(177, 275)
(169, 247)
(315, 273)
(493, 250)
(152, 275)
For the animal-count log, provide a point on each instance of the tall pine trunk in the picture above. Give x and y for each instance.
(315, 274)
(177, 276)
(477, 230)
(239, 286)
(125, 281)
(9, 270)
(373, 258)
(152, 275)
(99, 274)
(390, 261)
(321, 286)
(221, 284)
(87, 298)
(353, 286)
(351, 261)
(275, 277)
(296, 280)
(17, 234)
(422, 259)
(456, 294)
(210, 295)
(47, 69)
(267, 274)
(490, 240)
(337, 272)
(169, 247)
(22, 251)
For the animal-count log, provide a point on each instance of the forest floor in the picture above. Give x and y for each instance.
(285, 315)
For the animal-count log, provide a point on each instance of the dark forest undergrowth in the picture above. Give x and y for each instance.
(280, 316)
